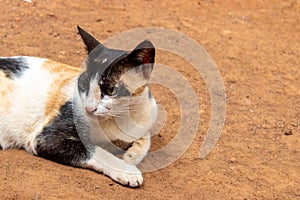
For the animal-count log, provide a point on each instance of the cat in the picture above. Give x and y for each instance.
(81, 117)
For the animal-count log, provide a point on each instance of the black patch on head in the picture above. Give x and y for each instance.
(13, 66)
(84, 83)
(97, 62)
(122, 91)
(59, 140)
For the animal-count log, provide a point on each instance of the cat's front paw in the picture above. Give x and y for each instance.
(131, 177)
(132, 158)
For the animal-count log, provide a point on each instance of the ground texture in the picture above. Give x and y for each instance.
(256, 46)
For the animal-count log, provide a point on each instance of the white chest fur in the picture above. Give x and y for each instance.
(128, 128)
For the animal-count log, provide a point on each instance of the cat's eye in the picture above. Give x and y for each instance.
(107, 90)
(110, 91)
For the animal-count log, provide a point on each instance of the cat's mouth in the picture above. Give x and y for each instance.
(98, 112)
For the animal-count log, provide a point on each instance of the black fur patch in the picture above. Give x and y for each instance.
(13, 66)
(122, 91)
(59, 140)
(96, 66)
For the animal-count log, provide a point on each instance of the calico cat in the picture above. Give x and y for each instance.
(81, 118)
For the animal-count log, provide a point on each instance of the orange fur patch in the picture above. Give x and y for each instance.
(138, 91)
(64, 74)
(122, 144)
(59, 68)
(6, 88)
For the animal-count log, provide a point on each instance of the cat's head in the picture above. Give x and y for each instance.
(114, 81)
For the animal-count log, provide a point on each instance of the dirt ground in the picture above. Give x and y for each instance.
(256, 46)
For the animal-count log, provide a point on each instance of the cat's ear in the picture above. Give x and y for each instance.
(89, 41)
(143, 56)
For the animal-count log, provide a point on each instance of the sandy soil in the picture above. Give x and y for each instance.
(256, 46)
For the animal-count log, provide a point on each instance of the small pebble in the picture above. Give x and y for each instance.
(232, 160)
(288, 131)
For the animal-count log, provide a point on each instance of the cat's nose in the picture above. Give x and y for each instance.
(90, 110)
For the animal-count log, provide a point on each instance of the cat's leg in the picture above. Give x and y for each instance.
(68, 149)
(115, 168)
(139, 149)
